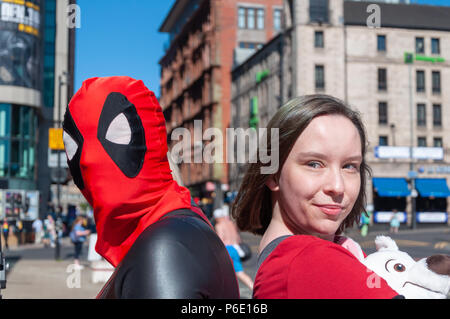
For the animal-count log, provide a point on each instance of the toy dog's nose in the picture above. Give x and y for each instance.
(440, 264)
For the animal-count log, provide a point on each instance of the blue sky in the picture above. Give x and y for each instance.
(120, 37)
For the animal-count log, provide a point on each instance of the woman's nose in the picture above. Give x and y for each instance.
(334, 183)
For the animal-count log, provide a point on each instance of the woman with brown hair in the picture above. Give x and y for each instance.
(303, 208)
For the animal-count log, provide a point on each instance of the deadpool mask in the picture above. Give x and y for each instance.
(116, 146)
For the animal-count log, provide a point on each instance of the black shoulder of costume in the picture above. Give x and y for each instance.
(179, 257)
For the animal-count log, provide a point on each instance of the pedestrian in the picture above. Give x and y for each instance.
(38, 229)
(364, 223)
(18, 231)
(303, 207)
(394, 222)
(78, 236)
(148, 228)
(50, 231)
(5, 232)
(228, 233)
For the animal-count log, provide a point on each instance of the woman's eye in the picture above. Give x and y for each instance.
(314, 164)
(352, 167)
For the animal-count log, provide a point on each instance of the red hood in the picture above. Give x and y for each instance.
(129, 186)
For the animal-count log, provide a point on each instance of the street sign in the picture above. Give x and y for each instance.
(435, 153)
(55, 139)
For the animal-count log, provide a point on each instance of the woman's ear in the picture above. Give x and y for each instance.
(272, 183)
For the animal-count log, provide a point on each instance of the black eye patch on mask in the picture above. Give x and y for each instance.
(70, 128)
(128, 157)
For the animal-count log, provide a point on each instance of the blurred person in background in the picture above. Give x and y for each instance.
(5, 232)
(78, 236)
(38, 229)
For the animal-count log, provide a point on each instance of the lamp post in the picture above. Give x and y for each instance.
(58, 222)
(411, 160)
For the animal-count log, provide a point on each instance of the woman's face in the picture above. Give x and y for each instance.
(320, 180)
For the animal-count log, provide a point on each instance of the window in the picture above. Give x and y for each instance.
(420, 81)
(435, 46)
(318, 11)
(422, 141)
(382, 140)
(320, 77)
(18, 125)
(437, 142)
(277, 19)
(382, 113)
(382, 80)
(436, 81)
(318, 39)
(241, 18)
(381, 43)
(250, 18)
(437, 115)
(250, 45)
(421, 115)
(420, 45)
(260, 19)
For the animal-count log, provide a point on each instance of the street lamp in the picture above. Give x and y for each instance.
(58, 222)
(409, 60)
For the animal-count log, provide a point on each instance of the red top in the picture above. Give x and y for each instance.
(307, 267)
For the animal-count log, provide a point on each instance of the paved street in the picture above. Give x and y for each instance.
(35, 274)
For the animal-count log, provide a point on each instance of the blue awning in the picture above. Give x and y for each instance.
(436, 187)
(391, 187)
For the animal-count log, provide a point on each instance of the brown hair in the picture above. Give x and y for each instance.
(252, 207)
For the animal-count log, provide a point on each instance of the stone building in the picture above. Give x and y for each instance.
(341, 48)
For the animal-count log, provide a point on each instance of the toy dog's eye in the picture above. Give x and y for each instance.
(399, 267)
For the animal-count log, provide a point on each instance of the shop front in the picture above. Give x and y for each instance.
(389, 196)
(431, 203)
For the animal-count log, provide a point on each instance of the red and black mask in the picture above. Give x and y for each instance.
(116, 146)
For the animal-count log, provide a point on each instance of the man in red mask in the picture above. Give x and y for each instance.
(161, 245)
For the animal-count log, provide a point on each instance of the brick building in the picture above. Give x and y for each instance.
(206, 38)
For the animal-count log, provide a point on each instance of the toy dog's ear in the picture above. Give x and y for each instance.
(385, 243)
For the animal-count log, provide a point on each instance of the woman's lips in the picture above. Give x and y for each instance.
(330, 209)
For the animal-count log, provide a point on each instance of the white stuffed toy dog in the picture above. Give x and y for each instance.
(428, 278)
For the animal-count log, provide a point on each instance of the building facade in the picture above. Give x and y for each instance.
(36, 47)
(393, 74)
(207, 37)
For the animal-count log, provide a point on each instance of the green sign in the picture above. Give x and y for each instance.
(261, 75)
(410, 57)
